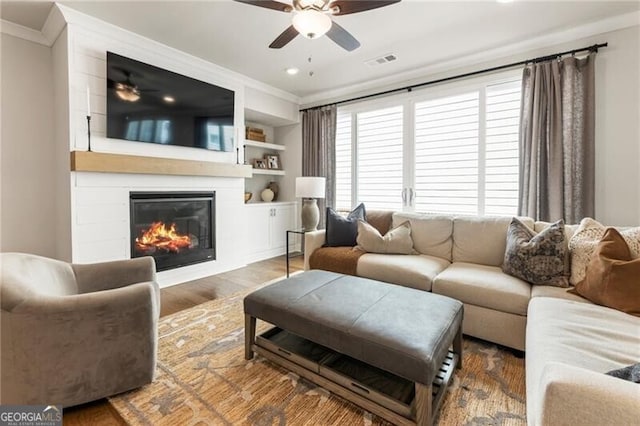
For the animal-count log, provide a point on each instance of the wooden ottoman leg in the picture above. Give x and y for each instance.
(424, 405)
(249, 335)
(457, 346)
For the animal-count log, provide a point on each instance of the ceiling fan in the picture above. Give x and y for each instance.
(126, 89)
(312, 18)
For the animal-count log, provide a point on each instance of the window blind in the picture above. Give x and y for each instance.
(379, 158)
(446, 154)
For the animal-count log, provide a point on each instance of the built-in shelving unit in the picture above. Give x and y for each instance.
(272, 172)
(264, 145)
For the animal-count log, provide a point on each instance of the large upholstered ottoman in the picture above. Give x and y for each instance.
(330, 328)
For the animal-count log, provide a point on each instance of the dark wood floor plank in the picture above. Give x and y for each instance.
(181, 297)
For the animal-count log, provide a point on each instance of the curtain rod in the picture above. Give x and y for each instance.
(593, 48)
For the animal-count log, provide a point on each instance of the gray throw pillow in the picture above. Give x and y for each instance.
(630, 373)
(537, 258)
(343, 231)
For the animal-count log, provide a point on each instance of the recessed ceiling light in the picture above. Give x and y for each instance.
(168, 99)
(292, 70)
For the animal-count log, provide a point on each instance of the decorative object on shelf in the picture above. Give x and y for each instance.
(255, 134)
(259, 163)
(275, 188)
(309, 188)
(267, 195)
(247, 196)
(273, 161)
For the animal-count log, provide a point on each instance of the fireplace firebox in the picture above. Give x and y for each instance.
(176, 228)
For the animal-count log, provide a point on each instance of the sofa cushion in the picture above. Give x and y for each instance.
(415, 271)
(342, 231)
(583, 244)
(557, 292)
(541, 259)
(481, 240)
(581, 335)
(612, 277)
(395, 241)
(431, 234)
(485, 286)
(343, 260)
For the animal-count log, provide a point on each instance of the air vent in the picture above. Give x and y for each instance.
(384, 59)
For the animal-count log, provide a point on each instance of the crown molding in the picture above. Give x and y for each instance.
(90, 23)
(583, 31)
(29, 34)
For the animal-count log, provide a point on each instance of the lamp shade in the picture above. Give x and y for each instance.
(310, 187)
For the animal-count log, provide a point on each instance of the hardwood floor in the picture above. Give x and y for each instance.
(184, 296)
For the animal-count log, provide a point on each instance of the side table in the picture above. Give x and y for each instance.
(300, 231)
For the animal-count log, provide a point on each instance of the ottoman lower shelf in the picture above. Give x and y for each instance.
(380, 392)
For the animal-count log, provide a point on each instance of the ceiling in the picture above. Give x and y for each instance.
(420, 33)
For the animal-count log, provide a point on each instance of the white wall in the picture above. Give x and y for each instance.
(617, 192)
(291, 137)
(27, 190)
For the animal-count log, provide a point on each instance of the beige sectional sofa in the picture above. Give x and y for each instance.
(569, 341)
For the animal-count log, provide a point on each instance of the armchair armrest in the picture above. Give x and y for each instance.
(312, 241)
(108, 275)
(568, 393)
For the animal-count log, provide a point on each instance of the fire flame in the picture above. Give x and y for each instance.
(158, 237)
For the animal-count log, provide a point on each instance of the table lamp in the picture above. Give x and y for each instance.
(309, 189)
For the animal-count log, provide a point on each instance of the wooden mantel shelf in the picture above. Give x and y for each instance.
(84, 161)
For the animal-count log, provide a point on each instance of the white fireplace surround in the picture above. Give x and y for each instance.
(101, 219)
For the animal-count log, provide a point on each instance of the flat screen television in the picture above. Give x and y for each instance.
(149, 104)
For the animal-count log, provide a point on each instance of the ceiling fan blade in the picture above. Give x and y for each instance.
(268, 4)
(284, 38)
(343, 38)
(345, 7)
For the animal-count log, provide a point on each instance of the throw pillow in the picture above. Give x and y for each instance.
(395, 241)
(537, 258)
(342, 231)
(583, 244)
(630, 372)
(612, 276)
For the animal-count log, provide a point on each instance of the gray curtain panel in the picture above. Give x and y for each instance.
(557, 142)
(318, 151)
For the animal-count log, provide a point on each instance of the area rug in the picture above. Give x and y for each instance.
(203, 379)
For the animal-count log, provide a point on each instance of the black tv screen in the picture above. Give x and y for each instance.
(149, 104)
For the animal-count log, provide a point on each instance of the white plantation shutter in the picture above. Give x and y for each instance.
(501, 169)
(379, 158)
(343, 161)
(463, 158)
(446, 154)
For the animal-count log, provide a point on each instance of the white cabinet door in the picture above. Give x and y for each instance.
(267, 224)
(258, 228)
(283, 218)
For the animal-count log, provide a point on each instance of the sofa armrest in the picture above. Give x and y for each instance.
(312, 241)
(568, 393)
(108, 275)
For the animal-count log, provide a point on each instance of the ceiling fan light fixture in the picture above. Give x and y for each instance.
(311, 23)
(127, 93)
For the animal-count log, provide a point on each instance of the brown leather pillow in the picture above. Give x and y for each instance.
(612, 277)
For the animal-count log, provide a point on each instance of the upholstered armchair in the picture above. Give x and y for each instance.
(75, 333)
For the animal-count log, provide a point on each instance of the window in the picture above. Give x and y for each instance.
(446, 159)
(459, 156)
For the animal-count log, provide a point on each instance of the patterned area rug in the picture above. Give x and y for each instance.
(203, 379)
